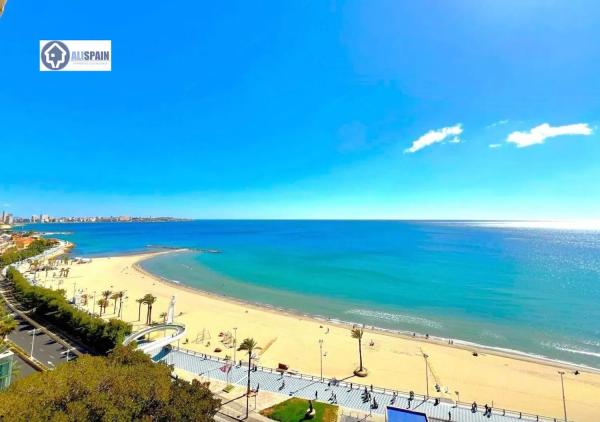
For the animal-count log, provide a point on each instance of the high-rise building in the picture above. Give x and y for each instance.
(44, 218)
(9, 219)
(3, 217)
(34, 218)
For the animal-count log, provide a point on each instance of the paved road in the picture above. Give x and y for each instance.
(24, 369)
(46, 350)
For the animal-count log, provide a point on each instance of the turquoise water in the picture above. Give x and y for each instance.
(532, 290)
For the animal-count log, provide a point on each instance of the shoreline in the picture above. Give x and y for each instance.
(442, 341)
(460, 344)
(394, 360)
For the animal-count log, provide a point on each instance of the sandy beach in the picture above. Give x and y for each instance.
(394, 361)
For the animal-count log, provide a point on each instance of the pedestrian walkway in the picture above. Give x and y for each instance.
(346, 394)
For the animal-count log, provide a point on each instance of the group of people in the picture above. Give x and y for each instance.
(366, 396)
(333, 398)
(487, 412)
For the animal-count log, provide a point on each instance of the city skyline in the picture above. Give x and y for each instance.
(282, 111)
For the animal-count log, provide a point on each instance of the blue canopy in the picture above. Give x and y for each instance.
(395, 414)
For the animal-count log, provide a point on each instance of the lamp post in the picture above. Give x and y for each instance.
(32, 341)
(562, 384)
(234, 344)
(94, 304)
(321, 355)
(425, 356)
(67, 353)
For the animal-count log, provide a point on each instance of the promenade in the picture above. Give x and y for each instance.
(343, 393)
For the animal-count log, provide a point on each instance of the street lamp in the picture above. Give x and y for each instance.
(234, 344)
(32, 341)
(562, 384)
(321, 355)
(425, 356)
(67, 352)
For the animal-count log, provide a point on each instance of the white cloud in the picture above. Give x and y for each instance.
(495, 145)
(435, 136)
(540, 133)
(498, 123)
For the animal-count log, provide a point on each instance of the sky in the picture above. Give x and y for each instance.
(301, 109)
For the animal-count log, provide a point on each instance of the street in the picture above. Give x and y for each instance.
(46, 350)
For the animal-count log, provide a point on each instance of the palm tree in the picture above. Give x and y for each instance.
(120, 295)
(163, 315)
(149, 301)
(84, 299)
(106, 294)
(249, 345)
(140, 302)
(114, 297)
(7, 325)
(357, 333)
(103, 303)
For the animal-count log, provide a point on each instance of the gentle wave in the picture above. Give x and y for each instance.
(491, 334)
(396, 318)
(570, 349)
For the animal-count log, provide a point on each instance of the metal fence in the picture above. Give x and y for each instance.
(515, 414)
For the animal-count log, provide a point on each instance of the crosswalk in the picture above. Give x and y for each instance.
(346, 394)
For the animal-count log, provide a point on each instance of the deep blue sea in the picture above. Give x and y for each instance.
(528, 289)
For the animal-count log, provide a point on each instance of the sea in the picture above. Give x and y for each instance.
(517, 286)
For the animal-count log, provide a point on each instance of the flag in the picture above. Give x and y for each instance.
(226, 368)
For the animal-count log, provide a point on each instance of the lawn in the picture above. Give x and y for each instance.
(293, 410)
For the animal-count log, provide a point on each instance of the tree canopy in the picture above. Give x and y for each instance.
(123, 386)
(7, 322)
(52, 305)
(35, 248)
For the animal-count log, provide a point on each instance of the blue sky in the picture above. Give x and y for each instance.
(298, 109)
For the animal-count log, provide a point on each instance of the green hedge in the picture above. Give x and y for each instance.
(35, 248)
(52, 305)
